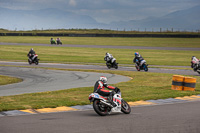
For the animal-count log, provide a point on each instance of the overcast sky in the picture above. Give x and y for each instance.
(106, 11)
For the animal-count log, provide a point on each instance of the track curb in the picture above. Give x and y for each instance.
(89, 107)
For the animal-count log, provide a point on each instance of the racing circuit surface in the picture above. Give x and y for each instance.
(177, 117)
(168, 118)
(41, 80)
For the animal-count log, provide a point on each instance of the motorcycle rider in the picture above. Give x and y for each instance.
(138, 58)
(108, 58)
(195, 63)
(52, 41)
(58, 41)
(100, 86)
(31, 54)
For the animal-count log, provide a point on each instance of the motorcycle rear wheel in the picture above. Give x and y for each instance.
(99, 109)
(145, 67)
(126, 109)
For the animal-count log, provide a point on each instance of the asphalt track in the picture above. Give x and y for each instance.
(41, 80)
(168, 118)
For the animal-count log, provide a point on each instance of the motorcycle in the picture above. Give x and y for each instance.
(142, 66)
(59, 42)
(195, 64)
(103, 107)
(53, 42)
(112, 63)
(34, 59)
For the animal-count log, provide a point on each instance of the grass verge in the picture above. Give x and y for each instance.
(4, 80)
(117, 41)
(96, 55)
(142, 86)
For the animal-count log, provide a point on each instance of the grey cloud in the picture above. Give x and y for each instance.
(106, 10)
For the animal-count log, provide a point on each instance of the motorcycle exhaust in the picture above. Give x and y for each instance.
(108, 104)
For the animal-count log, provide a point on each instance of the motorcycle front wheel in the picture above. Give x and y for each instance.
(126, 109)
(99, 108)
(108, 65)
(137, 67)
(36, 62)
(116, 65)
(29, 62)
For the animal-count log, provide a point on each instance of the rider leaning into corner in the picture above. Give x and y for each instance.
(138, 59)
(100, 86)
(31, 54)
(108, 58)
(195, 64)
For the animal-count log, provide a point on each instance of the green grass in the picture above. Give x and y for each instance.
(143, 86)
(96, 55)
(4, 80)
(149, 42)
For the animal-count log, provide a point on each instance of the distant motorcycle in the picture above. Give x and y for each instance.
(33, 60)
(59, 42)
(195, 64)
(53, 42)
(112, 63)
(102, 106)
(142, 66)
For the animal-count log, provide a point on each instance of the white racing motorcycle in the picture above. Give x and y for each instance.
(34, 59)
(195, 64)
(103, 107)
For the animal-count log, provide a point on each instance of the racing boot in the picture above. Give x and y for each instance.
(110, 99)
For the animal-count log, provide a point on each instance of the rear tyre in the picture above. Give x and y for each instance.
(125, 107)
(99, 108)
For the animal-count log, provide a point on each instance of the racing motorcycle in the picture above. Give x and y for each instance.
(34, 59)
(195, 64)
(142, 66)
(59, 42)
(103, 107)
(53, 42)
(112, 63)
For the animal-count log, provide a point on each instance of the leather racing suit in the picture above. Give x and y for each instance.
(99, 88)
(138, 59)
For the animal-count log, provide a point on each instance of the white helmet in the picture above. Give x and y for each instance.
(103, 79)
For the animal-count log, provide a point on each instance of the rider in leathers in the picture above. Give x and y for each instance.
(138, 58)
(100, 86)
(108, 58)
(31, 54)
(195, 65)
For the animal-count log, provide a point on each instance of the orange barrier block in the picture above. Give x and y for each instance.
(189, 84)
(177, 82)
